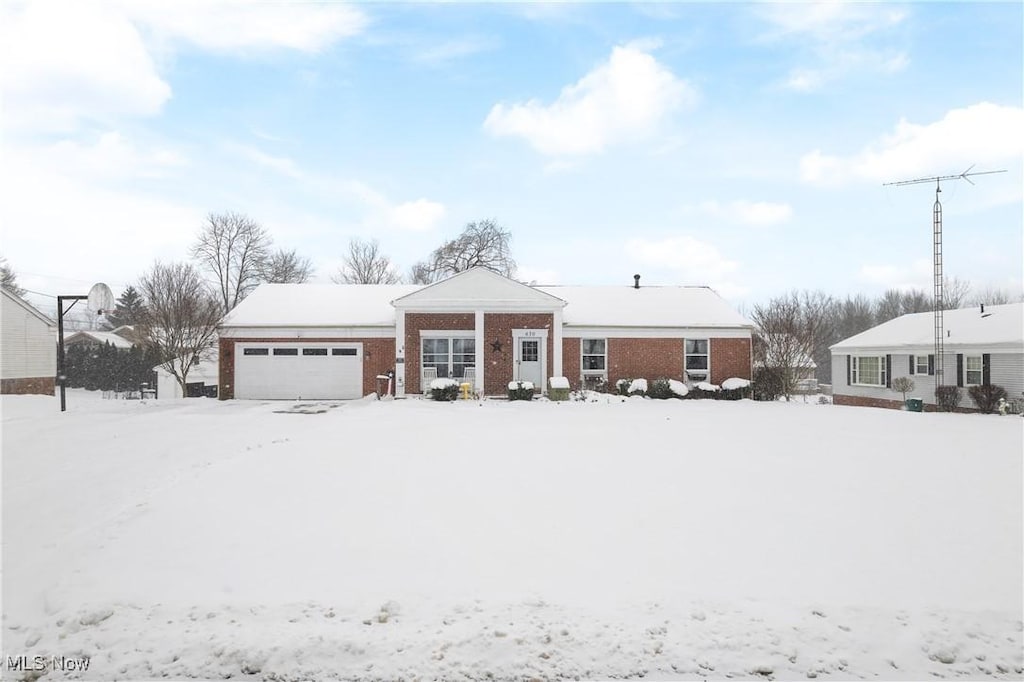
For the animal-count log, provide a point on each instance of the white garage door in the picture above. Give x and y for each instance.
(298, 371)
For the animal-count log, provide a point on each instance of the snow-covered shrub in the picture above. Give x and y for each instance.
(558, 388)
(903, 385)
(768, 383)
(678, 388)
(637, 387)
(948, 398)
(622, 386)
(520, 390)
(987, 397)
(705, 389)
(444, 389)
(660, 390)
(734, 388)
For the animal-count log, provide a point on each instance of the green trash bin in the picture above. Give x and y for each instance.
(915, 405)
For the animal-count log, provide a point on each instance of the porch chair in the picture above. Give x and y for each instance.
(428, 375)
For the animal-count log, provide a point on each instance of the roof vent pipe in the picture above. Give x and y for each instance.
(982, 308)
(636, 281)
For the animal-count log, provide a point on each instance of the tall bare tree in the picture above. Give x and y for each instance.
(180, 319)
(954, 293)
(365, 264)
(483, 243)
(8, 278)
(994, 296)
(233, 249)
(286, 267)
(790, 328)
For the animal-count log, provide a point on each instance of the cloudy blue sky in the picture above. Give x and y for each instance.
(743, 146)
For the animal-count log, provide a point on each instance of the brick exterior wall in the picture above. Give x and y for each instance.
(499, 326)
(31, 385)
(643, 358)
(730, 358)
(571, 362)
(378, 358)
(414, 323)
(863, 401)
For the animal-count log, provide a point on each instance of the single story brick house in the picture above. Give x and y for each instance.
(28, 348)
(313, 341)
(983, 345)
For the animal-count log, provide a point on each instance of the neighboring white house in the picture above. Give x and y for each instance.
(983, 345)
(96, 338)
(201, 380)
(28, 348)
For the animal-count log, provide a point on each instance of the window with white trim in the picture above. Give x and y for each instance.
(867, 370)
(920, 364)
(593, 357)
(973, 370)
(696, 358)
(449, 356)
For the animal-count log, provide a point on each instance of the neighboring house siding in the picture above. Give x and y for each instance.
(28, 350)
(1007, 370)
(378, 358)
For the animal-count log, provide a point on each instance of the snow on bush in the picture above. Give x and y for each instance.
(705, 386)
(513, 385)
(637, 387)
(733, 383)
(443, 383)
(559, 382)
(444, 389)
(520, 390)
(678, 387)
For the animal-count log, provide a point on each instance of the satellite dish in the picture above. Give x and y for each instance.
(101, 299)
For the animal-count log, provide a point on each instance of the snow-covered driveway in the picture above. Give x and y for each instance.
(378, 540)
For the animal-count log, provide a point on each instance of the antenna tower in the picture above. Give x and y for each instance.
(939, 302)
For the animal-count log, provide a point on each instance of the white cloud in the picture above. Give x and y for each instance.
(917, 275)
(65, 63)
(626, 98)
(691, 261)
(540, 276)
(453, 49)
(984, 134)
(419, 215)
(281, 164)
(842, 38)
(112, 155)
(236, 25)
(755, 213)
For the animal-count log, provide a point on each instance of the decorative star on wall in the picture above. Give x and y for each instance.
(496, 346)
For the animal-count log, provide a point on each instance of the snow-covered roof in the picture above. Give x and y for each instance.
(319, 305)
(998, 326)
(115, 340)
(648, 306)
(370, 305)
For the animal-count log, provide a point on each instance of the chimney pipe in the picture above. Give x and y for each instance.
(636, 281)
(982, 308)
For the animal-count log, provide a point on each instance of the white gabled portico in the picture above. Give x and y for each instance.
(476, 305)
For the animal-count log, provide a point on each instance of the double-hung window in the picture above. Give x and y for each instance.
(594, 357)
(696, 360)
(868, 370)
(973, 370)
(449, 356)
(920, 364)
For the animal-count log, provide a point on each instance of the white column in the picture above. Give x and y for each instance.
(480, 354)
(399, 352)
(556, 343)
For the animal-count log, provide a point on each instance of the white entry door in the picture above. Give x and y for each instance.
(529, 360)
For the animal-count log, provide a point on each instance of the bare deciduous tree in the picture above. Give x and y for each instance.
(993, 296)
(286, 267)
(8, 279)
(181, 317)
(365, 264)
(789, 329)
(954, 293)
(234, 249)
(482, 243)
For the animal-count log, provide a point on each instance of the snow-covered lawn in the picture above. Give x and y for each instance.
(379, 540)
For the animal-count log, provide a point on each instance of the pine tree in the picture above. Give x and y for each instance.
(130, 308)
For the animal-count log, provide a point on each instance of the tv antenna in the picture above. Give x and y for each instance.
(939, 303)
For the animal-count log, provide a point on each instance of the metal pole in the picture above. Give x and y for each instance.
(940, 303)
(60, 350)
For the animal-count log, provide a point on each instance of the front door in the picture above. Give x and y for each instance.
(528, 361)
